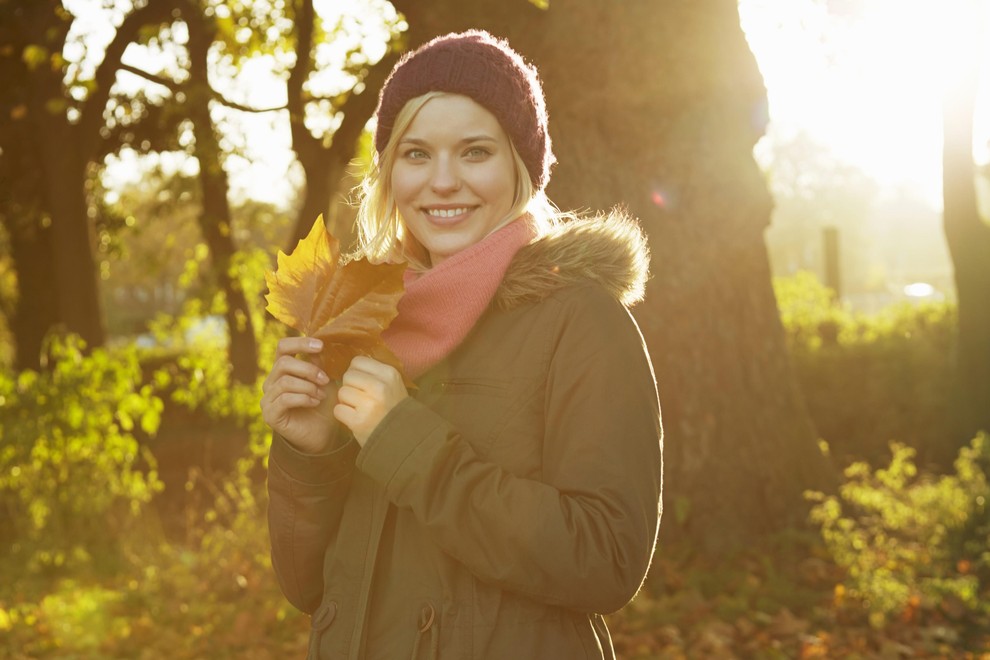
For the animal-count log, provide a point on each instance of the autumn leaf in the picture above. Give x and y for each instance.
(346, 305)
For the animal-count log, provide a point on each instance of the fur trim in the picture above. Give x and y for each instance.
(610, 249)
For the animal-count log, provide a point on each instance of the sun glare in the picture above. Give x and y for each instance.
(866, 77)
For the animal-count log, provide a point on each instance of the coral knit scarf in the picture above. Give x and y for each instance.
(441, 305)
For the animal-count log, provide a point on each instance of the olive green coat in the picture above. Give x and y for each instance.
(512, 500)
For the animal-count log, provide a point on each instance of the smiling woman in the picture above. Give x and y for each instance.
(512, 498)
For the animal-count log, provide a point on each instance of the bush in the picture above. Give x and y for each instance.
(871, 379)
(211, 593)
(913, 544)
(73, 476)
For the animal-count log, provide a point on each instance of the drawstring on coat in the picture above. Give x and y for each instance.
(427, 618)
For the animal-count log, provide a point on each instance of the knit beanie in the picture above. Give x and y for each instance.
(486, 69)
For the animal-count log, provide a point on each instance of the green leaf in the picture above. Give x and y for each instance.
(34, 56)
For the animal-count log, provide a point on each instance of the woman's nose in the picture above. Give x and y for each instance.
(446, 178)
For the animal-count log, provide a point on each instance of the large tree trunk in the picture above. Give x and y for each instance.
(657, 106)
(76, 298)
(35, 310)
(22, 207)
(215, 217)
(967, 236)
(44, 170)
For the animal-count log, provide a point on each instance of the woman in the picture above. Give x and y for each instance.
(513, 497)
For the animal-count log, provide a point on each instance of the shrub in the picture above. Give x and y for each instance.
(72, 473)
(871, 378)
(911, 542)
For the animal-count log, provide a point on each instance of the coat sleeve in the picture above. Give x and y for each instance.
(306, 496)
(582, 536)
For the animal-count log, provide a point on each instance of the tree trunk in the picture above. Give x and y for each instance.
(215, 218)
(63, 185)
(967, 236)
(34, 313)
(657, 106)
(22, 202)
(79, 307)
(44, 171)
(325, 166)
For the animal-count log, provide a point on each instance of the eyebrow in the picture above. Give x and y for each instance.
(468, 140)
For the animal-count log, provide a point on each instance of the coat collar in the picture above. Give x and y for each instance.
(610, 249)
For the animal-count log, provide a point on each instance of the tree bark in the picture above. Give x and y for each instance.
(215, 217)
(34, 311)
(22, 203)
(76, 298)
(967, 236)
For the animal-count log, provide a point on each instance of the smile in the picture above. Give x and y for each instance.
(447, 213)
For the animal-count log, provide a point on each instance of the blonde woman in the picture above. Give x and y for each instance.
(500, 509)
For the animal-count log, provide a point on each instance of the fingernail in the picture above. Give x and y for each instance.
(315, 344)
(322, 377)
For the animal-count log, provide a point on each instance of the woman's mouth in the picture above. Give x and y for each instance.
(447, 213)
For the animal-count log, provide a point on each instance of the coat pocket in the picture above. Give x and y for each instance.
(477, 408)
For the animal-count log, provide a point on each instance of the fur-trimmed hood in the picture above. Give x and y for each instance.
(609, 248)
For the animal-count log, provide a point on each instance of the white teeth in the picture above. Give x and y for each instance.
(446, 213)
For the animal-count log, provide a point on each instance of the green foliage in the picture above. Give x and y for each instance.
(911, 542)
(73, 475)
(868, 379)
(210, 593)
(8, 300)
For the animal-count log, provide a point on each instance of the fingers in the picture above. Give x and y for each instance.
(369, 390)
(380, 370)
(294, 385)
(290, 392)
(295, 345)
(288, 365)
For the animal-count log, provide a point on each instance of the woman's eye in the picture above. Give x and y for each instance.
(415, 154)
(478, 152)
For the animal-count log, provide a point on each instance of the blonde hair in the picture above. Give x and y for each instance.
(381, 234)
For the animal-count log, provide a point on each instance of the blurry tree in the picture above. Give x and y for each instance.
(215, 218)
(49, 136)
(966, 232)
(325, 156)
(657, 106)
(213, 37)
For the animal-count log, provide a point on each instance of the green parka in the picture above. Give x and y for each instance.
(512, 499)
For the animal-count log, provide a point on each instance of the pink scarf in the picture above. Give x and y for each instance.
(441, 305)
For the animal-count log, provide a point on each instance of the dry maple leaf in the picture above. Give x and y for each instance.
(346, 306)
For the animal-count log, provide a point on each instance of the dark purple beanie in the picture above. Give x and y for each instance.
(486, 69)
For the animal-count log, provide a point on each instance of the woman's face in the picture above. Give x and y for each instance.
(453, 179)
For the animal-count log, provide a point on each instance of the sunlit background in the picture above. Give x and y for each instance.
(106, 564)
(854, 142)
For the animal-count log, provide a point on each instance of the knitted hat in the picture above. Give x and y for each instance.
(486, 69)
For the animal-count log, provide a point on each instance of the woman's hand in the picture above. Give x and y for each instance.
(298, 396)
(368, 391)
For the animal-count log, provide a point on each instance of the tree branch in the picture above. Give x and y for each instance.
(159, 80)
(156, 11)
(303, 143)
(245, 108)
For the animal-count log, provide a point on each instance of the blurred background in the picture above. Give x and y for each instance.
(814, 178)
